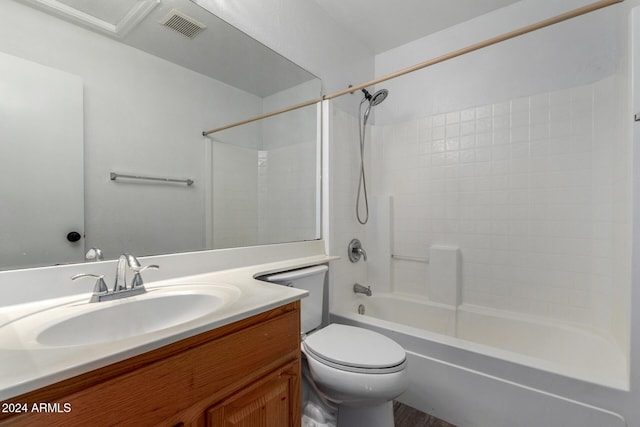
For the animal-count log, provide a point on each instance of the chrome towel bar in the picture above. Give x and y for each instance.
(113, 176)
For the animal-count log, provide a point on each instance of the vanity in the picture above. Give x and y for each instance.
(245, 372)
(238, 364)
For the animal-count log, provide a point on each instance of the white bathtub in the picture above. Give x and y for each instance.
(466, 360)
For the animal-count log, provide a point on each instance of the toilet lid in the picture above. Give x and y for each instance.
(348, 346)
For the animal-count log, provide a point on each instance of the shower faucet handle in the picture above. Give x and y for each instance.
(356, 251)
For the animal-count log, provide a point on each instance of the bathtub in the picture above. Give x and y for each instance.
(465, 360)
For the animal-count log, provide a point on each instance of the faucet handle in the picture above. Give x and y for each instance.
(355, 251)
(99, 288)
(137, 277)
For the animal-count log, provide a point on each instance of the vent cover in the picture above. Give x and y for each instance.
(183, 24)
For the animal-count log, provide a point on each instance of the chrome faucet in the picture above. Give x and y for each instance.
(125, 260)
(359, 289)
(129, 262)
(355, 251)
(121, 288)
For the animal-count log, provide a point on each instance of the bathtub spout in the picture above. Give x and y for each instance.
(359, 289)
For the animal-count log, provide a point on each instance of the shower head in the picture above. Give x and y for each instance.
(377, 97)
(374, 100)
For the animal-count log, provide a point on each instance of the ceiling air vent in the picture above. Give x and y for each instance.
(183, 24)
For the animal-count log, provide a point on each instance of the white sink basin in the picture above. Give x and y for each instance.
(84, 323)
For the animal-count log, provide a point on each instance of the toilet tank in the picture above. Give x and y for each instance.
(310, 279)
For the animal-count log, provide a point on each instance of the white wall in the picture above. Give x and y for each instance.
(264, 175)
(584, 51)
(288, 167)
(235, 196)
(293, 127)
(531, 120)
(288, 206)
(525, 189)
(303, 32)
(583, 59)
(264, 196)
(144, 116)
(571, 53)
(344, 163)
(39, 162)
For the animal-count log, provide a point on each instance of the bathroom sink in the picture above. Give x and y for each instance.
(83, 323)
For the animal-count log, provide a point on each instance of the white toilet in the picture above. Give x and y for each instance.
(359, 370)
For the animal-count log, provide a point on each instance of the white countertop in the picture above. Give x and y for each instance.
(24, 368)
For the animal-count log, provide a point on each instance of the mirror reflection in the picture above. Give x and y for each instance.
(93, 88)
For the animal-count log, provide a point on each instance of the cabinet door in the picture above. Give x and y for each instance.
(270, 402)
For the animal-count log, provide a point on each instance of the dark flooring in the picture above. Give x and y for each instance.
(406, 416)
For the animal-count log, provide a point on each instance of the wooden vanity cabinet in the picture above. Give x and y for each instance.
(268, 402)
(243, 374)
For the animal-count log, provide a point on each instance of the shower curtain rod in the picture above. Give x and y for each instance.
(454, 54)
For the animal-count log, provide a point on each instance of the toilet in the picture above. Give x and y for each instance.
(356, 370)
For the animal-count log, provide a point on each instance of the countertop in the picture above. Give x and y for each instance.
(24, 368)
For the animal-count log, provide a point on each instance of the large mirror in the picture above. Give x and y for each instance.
(97, 96)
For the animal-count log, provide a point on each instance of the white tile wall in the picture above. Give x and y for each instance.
(262, 196)
(287, 203)
(344, 165)
(525, 188)
(264, 180)
(235, 195)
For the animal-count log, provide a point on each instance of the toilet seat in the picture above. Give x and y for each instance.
(353, 349)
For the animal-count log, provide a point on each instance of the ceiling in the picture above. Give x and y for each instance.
(220, 51)
(230, 56)
(383, 24)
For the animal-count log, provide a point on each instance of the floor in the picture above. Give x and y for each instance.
(406, 416)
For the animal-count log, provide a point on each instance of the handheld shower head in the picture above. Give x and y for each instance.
(374, 100)
(377, 97)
